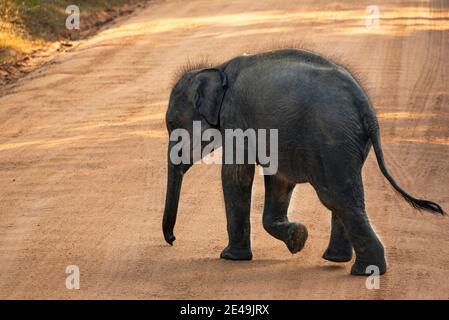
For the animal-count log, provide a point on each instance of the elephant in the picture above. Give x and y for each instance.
(326, 127)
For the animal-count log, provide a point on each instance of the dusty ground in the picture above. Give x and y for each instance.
(82, 165)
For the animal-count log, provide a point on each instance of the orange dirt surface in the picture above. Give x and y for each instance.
(83, 158)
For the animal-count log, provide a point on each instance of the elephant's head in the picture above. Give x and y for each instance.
(197, 96)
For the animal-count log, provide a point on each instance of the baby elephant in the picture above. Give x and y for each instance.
(325, 128)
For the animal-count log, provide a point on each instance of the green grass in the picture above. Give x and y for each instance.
(45, 19)
(29, 24)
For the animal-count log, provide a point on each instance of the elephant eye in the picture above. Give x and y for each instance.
(170, 124)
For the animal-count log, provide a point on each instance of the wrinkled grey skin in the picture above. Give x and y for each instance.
(326, 128)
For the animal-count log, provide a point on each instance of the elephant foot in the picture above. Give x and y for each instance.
(363, 268)
(336, 255)
(297, 236)
(230, 253)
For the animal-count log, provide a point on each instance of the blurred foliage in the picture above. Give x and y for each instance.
(45, 19)
(25, 23)
(12, 34)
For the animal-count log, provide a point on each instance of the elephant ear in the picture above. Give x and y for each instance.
(209, 87)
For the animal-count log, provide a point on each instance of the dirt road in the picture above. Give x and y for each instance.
(83, 145)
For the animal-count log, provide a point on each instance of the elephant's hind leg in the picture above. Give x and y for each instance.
(345, 199)
(277, 198)
(339, 248)
(369, 251)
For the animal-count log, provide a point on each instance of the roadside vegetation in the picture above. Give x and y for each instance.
(29, 25)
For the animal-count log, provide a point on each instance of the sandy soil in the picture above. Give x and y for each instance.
(82, 165)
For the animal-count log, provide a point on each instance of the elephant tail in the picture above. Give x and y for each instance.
(372, 129)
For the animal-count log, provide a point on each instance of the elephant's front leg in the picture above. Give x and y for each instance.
(237, 183)
(277, 199)
(340, 248)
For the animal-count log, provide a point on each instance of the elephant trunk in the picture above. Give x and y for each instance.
(174, 182)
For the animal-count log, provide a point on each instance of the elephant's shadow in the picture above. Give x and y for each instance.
(263, 266)
(204, 270)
